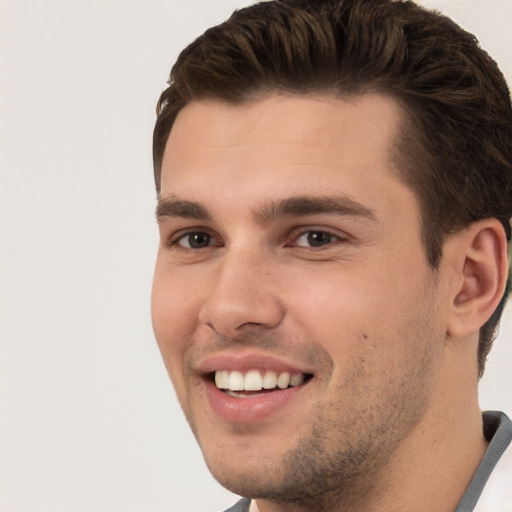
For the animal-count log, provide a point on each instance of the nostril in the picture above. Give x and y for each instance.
(239, 301)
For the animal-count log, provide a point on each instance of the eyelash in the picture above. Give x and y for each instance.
(174, 241)
(333, 238)
(294, 237)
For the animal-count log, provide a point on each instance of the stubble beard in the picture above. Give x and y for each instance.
(338, 463)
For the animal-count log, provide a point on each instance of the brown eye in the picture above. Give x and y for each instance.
(316, 238)
(195, 240)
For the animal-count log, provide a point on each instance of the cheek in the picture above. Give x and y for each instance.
(358, 314)
(333, 302)
(334, 311)
(173, 308)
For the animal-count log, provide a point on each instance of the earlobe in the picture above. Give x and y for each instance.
(482, 267)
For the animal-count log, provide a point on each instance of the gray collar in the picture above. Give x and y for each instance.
(497, 430)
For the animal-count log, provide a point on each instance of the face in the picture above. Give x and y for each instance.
(293, 305)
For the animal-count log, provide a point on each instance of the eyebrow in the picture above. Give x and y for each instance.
(299, 206)
(171, 206)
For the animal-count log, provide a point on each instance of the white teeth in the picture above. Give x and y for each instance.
(222, 379)
(296, 379)
(270, 380)
(283, 380)
(253, 380)
(237, 394)
(236, 381)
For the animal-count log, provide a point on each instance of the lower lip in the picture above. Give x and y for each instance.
(250, 409)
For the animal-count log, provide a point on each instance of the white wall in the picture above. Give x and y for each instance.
(88, 420)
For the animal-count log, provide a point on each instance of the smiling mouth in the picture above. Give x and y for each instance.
(255, 382)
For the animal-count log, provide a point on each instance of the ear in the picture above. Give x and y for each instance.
(479, 258)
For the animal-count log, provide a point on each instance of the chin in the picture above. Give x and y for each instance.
(246, 467)
(251, 480)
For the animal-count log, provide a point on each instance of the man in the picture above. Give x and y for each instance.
(334, 193)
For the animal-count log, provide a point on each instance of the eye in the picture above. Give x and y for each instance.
(316, 238)
(195, 240)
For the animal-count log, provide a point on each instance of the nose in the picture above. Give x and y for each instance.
(243, 296)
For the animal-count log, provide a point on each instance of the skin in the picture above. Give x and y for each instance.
(392, 390)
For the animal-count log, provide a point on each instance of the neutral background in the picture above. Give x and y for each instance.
(89, 421)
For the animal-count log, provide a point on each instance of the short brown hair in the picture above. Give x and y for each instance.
(455, 150)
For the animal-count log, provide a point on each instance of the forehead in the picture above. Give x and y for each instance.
(306, 142)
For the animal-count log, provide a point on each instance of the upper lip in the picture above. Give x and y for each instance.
(252, 361)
